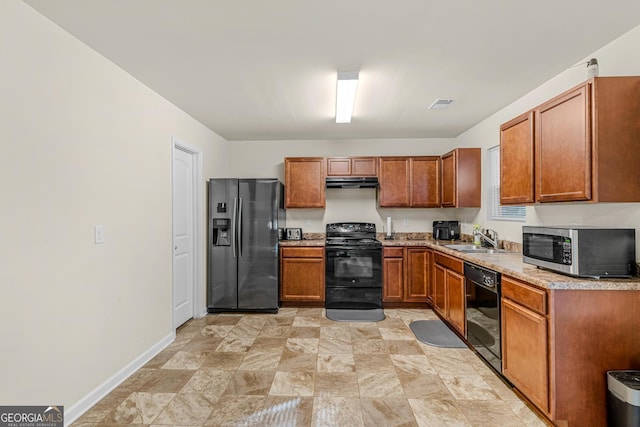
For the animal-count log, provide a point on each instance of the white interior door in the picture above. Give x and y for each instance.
(183, 236)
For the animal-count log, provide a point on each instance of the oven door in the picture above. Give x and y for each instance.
(353, 267)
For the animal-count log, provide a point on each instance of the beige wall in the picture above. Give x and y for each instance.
(615, 59)
(83, 143)
(618, 58)
(265, 158)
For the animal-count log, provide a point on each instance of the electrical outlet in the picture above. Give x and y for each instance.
(307, 223)
(405, 222)
(98, 231)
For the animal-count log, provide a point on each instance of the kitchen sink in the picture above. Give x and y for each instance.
(474, 249)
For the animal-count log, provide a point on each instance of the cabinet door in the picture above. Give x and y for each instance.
(516, 160)
(392, 290)
(418, 274)
(563, 148)
(425, 182)
(524, 352)
(304, 182)
(455, 290)
(439, 284)
(394, 182)
(364, 166)
(302, 279)
(338, 166)
(449, 180)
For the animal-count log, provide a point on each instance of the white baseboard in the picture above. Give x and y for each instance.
(83, 405)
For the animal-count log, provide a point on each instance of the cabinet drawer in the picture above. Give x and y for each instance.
(451, 263)
(533, 298)
(302, 252)
(392, 252)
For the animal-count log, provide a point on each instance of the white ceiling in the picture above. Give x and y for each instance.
(266, 69)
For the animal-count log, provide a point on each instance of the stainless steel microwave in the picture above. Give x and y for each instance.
(581, 251)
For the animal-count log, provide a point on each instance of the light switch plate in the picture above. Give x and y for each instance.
(98, 231)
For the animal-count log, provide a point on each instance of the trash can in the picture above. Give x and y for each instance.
(623, 398)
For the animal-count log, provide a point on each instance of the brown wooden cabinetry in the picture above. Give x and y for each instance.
(393, 274)
(418, 274)
(516, 160)
(449, 289)
(304, 182)
(393, 174)
(525, 340)
(409, 182)
(424, 182)
(352, 166)
(558, 345)
(302, 274)
(461, 178)
(407, 274)
(584, 146)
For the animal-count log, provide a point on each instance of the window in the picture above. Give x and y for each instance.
(496, 210)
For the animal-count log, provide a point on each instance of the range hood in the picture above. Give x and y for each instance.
(352, 182)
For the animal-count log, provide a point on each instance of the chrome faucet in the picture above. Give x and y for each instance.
(489, 236)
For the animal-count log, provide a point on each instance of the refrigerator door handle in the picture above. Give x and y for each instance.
(234, 228)
(240, 228)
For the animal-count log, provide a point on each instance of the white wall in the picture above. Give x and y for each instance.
(83, 143)
(253, 159)
(618, 58)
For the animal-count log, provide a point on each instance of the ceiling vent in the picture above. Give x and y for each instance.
(440, 104)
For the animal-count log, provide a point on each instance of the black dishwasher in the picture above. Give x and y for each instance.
(483, 313)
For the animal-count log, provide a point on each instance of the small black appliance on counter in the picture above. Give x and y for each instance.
(446, 230)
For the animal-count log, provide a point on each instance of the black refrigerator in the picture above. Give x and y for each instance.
(243, 262)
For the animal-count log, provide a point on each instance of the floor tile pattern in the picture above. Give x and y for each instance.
(297, 368)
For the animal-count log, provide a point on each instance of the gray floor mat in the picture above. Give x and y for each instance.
(347, 315)
(436, 333)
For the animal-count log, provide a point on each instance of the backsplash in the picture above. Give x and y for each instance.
(504, 244)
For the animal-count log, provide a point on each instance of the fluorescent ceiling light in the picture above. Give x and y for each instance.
(346, 95)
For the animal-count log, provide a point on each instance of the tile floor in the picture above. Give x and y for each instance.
(298, 368)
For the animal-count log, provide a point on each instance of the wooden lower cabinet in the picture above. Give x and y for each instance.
(406, 274)
(558, 344)
(456, 300)
(393, 278)
(418, 274)
(302, 274)
(449, 290)
(524, 345)
(439, 293)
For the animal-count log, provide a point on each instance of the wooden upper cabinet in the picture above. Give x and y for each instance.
(409, 182)
(563, 147)
(304, 182)
(585, 143)
(461, 178)
(516, 160)
(352, 166)
(393, 174)
(425, 182)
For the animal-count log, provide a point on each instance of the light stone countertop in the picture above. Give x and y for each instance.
(507, 263)
(304, 242)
